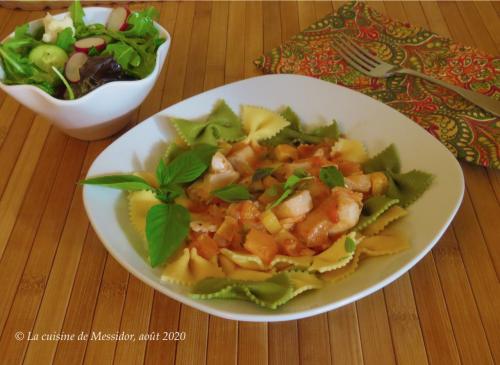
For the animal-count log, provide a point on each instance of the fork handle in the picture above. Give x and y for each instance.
(485, 102)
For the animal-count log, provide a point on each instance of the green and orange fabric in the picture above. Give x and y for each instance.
(467, 131)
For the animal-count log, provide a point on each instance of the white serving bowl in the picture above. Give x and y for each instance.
(103, 111)
(359, 117)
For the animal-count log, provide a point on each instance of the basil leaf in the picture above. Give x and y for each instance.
(121, 182)
(301, 172)
(66, 39)
(283, 196)
(189, 165)
(185, 168)
(167, 225)
(232, 193)
(168, 193)
(77, 13)
(204, 152)
(160, 171)
(291, 181)
(289, 186)
(331, 176)
(349, 244)
(262, 173)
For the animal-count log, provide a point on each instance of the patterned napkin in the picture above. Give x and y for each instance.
(466, 130)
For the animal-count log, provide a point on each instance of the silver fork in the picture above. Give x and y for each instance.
(363, 61)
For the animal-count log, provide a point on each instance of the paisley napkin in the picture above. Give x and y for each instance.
(467, 131)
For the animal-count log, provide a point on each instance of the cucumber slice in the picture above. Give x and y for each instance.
(47, 55)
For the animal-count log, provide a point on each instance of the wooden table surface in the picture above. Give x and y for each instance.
(57, 278)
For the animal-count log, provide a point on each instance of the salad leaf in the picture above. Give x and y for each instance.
(21, 31)
(146, 48)
(93, 52)
(71, 95)
(141, 23)
(121, 182)
(19, 69)
(232, 193)
(97, 71)
(167, 225)
(77, 13)
(66, 40)
(331, 176)
(84, 31)
(15, 66)
(124, 54)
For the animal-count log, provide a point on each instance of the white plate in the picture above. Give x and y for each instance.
(314, 101)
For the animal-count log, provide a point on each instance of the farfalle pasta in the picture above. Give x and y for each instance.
(256, 208)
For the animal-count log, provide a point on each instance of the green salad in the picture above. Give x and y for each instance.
(68, 58)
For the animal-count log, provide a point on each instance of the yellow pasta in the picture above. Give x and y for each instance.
(389, 216)
(336, 256)
(350, 150)
(149, 177)
(235, 272)
(189, 267)
(246, 261)
(139, 203)
(299, 262)
(303, 281)
(260, 123)
(387, 242)
(339, 274)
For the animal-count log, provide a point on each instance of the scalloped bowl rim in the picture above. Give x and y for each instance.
(108, 85)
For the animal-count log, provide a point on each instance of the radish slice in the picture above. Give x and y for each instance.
(75, 62)
(85, 44)
(118, 19)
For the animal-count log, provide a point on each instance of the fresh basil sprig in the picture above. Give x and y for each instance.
(232, 193)
(331, 176)
(121, 182)
(289, 187)
(167, 224)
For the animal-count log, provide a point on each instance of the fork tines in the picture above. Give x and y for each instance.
(358, 57)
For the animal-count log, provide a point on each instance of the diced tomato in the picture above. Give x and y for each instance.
(197, 207)
(205, 246)
(319, 191)
(227, 232)
(243, 210)
(261, 244)
(289, 244)
(348, 168)
(306, 150)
